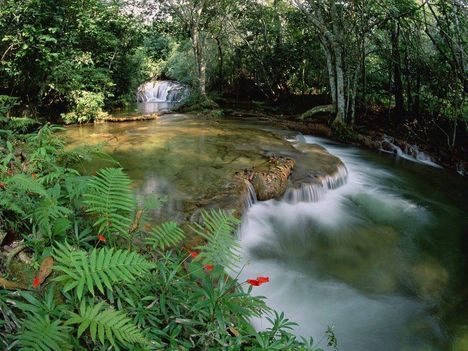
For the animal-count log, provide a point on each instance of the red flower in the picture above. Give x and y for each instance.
(33, 175)
(101, 238)
(263, 280)
(208, 267)
(36, 282)
(253, 282)
(194, 254)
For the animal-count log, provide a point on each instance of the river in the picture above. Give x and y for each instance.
(381, 258)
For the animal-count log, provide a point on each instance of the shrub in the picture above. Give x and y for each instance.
(6, 104)
(342, 132)
(87, 107)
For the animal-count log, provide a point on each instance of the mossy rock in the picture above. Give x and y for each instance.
(270, 180)
(342, 132)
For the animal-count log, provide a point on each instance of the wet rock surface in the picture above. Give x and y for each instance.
(270, 179)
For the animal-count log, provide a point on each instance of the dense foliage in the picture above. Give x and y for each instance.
(402, 59)
(88, 271)
(56, 53)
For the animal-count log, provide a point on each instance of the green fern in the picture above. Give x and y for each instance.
(110, 198)
(105, 323)
(165, 235)
(218, 229)
(39, 333)
(101, 268)
(27, 184)
(48, 212)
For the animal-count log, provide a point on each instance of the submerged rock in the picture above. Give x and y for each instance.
(129, 118)
(430, 278)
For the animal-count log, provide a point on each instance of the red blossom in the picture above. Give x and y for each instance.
(253, 282)
(208, 267)
(101, 238)
(194, 254)
(263, 280)
(33, 175)
(36, 282)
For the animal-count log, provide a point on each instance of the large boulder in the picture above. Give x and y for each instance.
(270, 180)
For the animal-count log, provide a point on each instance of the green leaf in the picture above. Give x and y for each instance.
(86, 271)
(222, 247)
(106, 324)
(165, 235)
(110, 198)
(41, 334)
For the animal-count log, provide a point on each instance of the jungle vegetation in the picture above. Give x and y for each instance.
(98, 274)
(402, 60)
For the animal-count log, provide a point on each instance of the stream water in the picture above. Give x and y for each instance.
(382, 257)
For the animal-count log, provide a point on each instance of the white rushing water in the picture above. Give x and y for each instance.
(410, 152)
(162, 91)
(337, 260)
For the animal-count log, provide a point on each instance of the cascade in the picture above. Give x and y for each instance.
(313, 192)
(161, 91)
(251, 196)
(408, 152)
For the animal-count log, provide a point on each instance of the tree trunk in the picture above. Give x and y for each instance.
(353, 96)
(331, 73)
(397, 81)
(200, 61)
(417, 99)
(220, 64)
(409, 90)
(454, 134)
(340, 87)
(364, 75)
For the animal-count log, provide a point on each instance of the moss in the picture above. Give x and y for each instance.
(342, 132)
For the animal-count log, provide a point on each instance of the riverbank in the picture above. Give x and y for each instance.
(362, 135)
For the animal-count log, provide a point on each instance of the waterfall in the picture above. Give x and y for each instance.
(161, 91)
(408, 152)
(251, 196)
(313, 192)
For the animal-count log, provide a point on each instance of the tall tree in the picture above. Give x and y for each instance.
(198, 18)
(338, 28)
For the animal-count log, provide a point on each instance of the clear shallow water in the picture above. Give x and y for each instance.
(382, 258)
(191, 162)
(147, 108)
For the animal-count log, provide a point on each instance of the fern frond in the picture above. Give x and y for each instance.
(165, 235)
(101, 268)
(110, 198)
(47, 212)
(8, 202)
(39, 333)
(25, 183)
(218, 229)
(105, 323)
